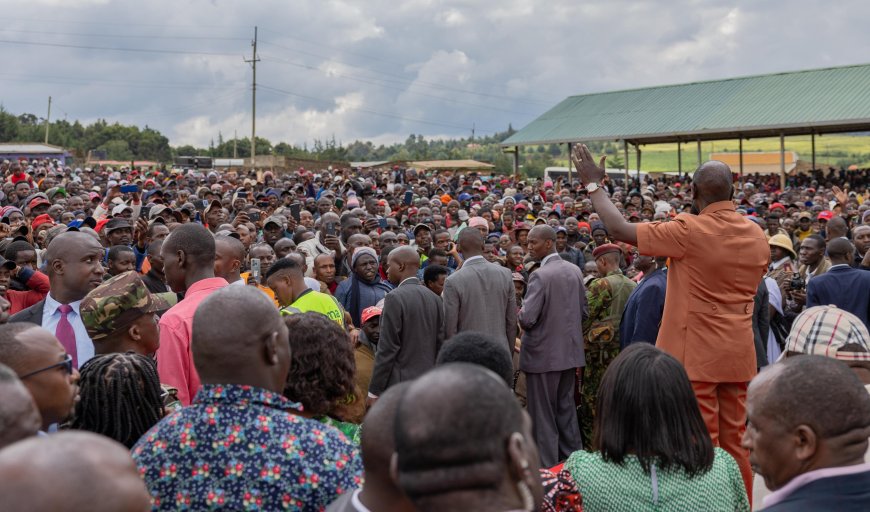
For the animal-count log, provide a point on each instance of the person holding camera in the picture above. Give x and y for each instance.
(813, 262)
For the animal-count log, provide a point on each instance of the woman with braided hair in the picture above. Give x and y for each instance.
(120, 397)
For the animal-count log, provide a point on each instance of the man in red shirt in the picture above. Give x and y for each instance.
(188, 262)
(717, 260)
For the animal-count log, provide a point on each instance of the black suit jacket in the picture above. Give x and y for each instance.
(33, 314)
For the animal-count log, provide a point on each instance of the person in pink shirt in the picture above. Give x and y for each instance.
(188, 262)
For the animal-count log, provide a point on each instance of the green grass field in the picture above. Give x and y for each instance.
(830, 149)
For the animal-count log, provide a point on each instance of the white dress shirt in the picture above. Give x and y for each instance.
(51, 317)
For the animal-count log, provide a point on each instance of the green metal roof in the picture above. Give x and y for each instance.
(802, 102)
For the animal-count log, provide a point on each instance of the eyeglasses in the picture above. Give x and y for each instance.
(66, 364)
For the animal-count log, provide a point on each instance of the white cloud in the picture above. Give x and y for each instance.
(375, 69)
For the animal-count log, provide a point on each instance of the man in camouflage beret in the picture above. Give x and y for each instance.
(120, 316)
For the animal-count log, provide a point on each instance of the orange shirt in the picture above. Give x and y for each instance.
(718, 258)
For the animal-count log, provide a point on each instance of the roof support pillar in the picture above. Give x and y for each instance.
(516, 163)
(782, 161)
(679, 161)
(570, 165)
(637, 151)
(741, 159)
(625, 147)
(699, 153)
(813, 145)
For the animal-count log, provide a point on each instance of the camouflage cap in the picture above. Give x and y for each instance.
(118, 302)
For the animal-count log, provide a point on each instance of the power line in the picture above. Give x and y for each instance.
(135, 50)
(123, 36)
(367, 111)
(407, 91)
(138, 84)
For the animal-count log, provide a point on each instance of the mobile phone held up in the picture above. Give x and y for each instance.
(409, 196)
(129, 189)
(339, 203)
(331, 229)
(295, 210)
(255, 270)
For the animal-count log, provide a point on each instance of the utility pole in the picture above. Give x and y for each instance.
(253, 62)
(47, 117)
(472, 132)
(235, 143)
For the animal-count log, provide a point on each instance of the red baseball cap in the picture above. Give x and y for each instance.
(369, 313)
(41, 219)
(826, 215)
(36, 201)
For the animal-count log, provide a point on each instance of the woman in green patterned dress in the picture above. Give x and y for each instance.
(654, 450)
(322, 371)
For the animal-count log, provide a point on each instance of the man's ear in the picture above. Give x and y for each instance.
(182, 258)
(57, 266)
(518, 463)
(806, 442)
(270, 348)
(134, 332)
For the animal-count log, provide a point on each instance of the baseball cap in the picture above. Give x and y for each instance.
(116, 223)
(156, 210)
(36, 201)
(824, 330)
(274, 219)
(117, 303)
(826, 215)
(42, 219)
(478, 222)
(418, 227)
(463, 215)
(369, 313)
(7, 264)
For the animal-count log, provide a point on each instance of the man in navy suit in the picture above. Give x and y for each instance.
(843, 286)
(646, 305)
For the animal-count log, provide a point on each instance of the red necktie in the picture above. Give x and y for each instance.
(66, 335)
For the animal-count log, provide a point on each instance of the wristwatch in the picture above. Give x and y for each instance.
(592, 187)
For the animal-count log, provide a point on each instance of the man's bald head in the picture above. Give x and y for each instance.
(405, 255)
(230, 244)
(712, 182)
(378, 438)
(470, 242)
(88, 472)
(836, 227)
(238, 337)
(543, 232)
(840, 250)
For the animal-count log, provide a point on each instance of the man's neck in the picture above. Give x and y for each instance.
(118, 346)
(65, 296)
(232, 278)
(196, 275)
(376, 496)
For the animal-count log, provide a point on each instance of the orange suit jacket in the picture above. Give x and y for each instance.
(717, 260)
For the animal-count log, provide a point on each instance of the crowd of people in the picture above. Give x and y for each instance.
(366, 339)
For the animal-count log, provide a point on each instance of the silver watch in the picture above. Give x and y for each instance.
(592, 187)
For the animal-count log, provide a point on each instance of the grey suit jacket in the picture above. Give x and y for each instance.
(412, 329)
(480, 297)
(552, 318)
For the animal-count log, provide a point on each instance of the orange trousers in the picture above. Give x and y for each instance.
(723, 407)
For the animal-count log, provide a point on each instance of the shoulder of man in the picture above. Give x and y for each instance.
(30, 314)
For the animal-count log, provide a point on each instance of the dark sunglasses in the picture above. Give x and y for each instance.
(66, 364)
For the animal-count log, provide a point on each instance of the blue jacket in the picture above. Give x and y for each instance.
(847, 493)
(643, 311)
(845, 287)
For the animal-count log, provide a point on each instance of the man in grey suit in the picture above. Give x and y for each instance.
(479, 296)
(412, 326)
(552, 347)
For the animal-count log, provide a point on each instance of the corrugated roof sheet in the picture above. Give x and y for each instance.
(24, 147)
(821, 101)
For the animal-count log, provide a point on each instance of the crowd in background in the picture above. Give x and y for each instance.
(393, 339)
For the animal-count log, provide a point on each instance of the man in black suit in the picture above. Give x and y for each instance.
(74, 267)
(841, 286)
(412, 326)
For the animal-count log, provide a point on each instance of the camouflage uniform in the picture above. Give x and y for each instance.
(606, 298)
(119, 302)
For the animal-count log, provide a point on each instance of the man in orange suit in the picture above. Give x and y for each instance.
(717, 260)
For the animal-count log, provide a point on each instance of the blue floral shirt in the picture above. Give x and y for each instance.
(243, 448)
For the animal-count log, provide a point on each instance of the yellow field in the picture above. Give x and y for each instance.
(830, 149)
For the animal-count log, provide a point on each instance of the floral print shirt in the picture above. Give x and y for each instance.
(243, 448)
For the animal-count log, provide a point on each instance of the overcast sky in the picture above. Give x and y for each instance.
(382, 69)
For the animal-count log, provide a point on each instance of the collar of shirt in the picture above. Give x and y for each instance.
(549, 257)
(776, 264)
(237, 394)
(51, 305)
(473, 258)
(206, 284)
(357, 504)
(839, 265)
(406, 280)
(719, 205)
(811, 476)
(616, 272)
